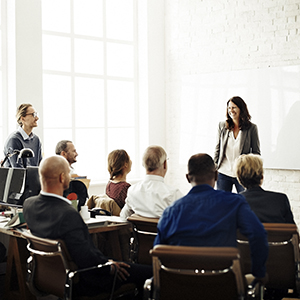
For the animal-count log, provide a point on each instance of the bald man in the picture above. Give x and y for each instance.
(50, 215)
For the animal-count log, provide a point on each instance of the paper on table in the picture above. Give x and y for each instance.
(93, 222)
(113, 219)
(3, 219)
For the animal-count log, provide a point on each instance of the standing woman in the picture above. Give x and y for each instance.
(236, 136)
(119, 165)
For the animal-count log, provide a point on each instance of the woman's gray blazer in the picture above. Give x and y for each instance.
(249, 142)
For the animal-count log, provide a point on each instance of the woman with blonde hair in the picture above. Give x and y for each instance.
(119, 165)
(270, 207)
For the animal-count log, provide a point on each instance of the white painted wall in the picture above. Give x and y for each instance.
(212, 36)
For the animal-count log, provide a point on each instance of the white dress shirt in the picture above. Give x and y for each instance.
(57, 196)
(149, 197)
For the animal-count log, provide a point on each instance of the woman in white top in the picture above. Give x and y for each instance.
(236, 136)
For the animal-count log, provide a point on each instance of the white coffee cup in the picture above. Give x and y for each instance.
(85, 214)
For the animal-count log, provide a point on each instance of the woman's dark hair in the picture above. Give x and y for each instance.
(116, 162)
(244, 119)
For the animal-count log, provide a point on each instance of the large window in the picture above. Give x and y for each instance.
(1, 92)
(90, 80)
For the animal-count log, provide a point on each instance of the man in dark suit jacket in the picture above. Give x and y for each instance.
(270, 207)
(50, 215)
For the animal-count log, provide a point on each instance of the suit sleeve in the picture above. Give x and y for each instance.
(289, 217)
(218, 142)
(79, 243)
(255, 144)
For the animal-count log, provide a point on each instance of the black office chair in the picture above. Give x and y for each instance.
(144, 232)
(78, 188)
(214, 273)
(283, 263)
(51, 271)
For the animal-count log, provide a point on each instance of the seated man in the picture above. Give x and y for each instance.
(67, 149)
(49, 215)
(270, 207)
(151, 196)
(210, 218)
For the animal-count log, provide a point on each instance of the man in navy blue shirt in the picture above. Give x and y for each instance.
(208, 217)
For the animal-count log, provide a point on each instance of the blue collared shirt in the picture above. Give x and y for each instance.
(25, 136)
(210, 218)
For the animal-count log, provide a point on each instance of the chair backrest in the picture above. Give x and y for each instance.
(48, 266)
(79, 188)
(145, 231)
(182, 272)
(283, 265)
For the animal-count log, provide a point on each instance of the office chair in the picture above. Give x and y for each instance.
(144, 233)
(183, 272)
(283, 264)
(50, 271)
(78, 188)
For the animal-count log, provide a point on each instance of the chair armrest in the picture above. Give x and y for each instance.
(148, 289)
(71, 274)
(255, 287)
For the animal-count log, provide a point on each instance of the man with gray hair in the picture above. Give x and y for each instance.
(151, 196)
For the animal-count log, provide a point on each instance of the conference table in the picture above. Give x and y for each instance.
(17, 254)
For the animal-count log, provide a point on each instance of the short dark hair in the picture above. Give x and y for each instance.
(61, 146)
(244, 118)
(201, 166)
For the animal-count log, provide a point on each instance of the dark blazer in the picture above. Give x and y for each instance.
(249, 142)
(53, 218)
(270, 207)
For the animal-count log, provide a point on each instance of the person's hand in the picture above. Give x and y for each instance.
(120, 268)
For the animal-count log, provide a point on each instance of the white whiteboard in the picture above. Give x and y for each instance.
(273, 99)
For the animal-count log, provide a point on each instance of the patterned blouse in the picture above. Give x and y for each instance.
(117, 191)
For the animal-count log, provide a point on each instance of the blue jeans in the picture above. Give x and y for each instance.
(225, 183)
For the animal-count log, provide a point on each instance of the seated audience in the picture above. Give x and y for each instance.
(119, 165)
(67, 149)
(22, 138)
(210, 218)
(151, 196)
(49, 215)
(270, 207)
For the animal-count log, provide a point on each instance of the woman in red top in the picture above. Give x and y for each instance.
(119, 165)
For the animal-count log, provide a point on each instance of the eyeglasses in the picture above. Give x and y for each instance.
(34, 114)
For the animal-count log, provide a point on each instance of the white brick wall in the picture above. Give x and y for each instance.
(211, 36)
